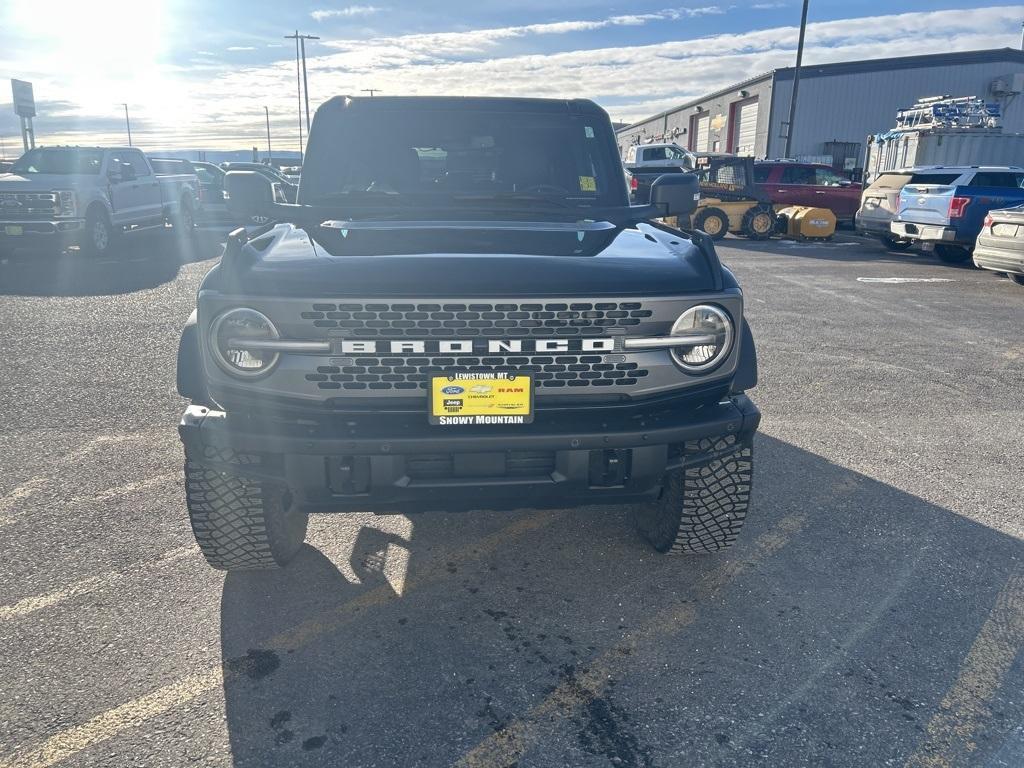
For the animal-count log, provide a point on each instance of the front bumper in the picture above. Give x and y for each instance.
(925, 233)
(395, 461)
(34, 233)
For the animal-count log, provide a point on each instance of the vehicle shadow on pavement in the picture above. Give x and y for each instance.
(136, 262)
(854, 624)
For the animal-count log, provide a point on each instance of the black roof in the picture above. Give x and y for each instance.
(468, 103)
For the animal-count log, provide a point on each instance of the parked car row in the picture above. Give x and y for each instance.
(777, 184)
(55, 197)
(961, 213)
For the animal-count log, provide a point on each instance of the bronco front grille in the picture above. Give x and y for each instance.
(393, 320)
(411, 373)
(28, 205)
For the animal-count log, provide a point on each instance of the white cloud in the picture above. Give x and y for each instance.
(349, 12)
(632, 81)
(768, 6)
(241, 47)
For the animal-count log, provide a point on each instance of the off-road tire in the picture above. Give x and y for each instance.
(894, 244)
(952, 254)
(701, 222)
(701, 509)
(98, 236)
(240, 523)
(759, 222)
(1018, 279)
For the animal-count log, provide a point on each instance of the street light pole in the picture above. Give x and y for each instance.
(796, 80)
(127, 123)
(270, 155)
(371, 91)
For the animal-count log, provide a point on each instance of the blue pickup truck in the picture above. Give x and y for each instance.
(948, 217)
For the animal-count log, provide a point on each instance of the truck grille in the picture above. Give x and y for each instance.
(28, 205)
(411, 373)
(392, 321)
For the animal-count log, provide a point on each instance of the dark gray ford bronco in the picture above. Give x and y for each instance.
(462, 310)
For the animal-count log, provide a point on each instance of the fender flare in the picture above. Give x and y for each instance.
(191, 376)
(746, 368)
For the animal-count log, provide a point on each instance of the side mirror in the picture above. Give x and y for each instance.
(676, 194)
(248, 195)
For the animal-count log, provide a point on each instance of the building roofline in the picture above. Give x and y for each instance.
(694, 102)
(845, 67)
(902, 62)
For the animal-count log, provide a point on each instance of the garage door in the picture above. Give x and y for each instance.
(745, 127)
(703, 133)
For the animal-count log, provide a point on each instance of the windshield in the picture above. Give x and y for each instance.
(60, 161)
(458, 156)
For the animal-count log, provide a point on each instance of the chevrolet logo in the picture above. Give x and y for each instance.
(470, 346)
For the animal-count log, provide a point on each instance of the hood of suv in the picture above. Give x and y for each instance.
(39, 182)
(640, 260)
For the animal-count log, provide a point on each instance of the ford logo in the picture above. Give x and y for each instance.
(453, 390)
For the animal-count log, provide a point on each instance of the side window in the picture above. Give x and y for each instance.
(797, 174)
(205, 177)
(761, 173)
(824, 177)
(675, 154)
(138, 161)
(1003, 179)
(654, 153)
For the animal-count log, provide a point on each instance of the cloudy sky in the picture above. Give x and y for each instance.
(198, 74)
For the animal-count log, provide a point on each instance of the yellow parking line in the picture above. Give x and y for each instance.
(93, 584)
(507, 747)
(108, 724)
(964, 709)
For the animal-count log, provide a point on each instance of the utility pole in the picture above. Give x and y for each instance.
(371, 91)
(300, 77)
(128, 123)
(270, 155)
(298, 85)
(796, 80)
(305, 84)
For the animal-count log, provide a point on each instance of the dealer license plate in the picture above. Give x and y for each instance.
(13, 230)
(472, 397)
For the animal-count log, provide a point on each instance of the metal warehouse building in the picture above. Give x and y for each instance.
(838, 106)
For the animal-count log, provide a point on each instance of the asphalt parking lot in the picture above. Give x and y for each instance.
(872, 614)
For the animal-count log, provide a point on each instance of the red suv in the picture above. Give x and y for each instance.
(789, 183)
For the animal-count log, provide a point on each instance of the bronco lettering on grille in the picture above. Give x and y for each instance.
(470, 346)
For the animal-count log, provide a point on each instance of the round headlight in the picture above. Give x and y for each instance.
(704, 320)
(234, 342)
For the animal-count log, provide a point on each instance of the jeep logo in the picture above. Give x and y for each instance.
(472, 346)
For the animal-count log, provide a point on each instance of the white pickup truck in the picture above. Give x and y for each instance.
(61, 196)
(658, 156)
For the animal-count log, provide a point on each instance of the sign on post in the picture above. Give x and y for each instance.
(24, 101)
